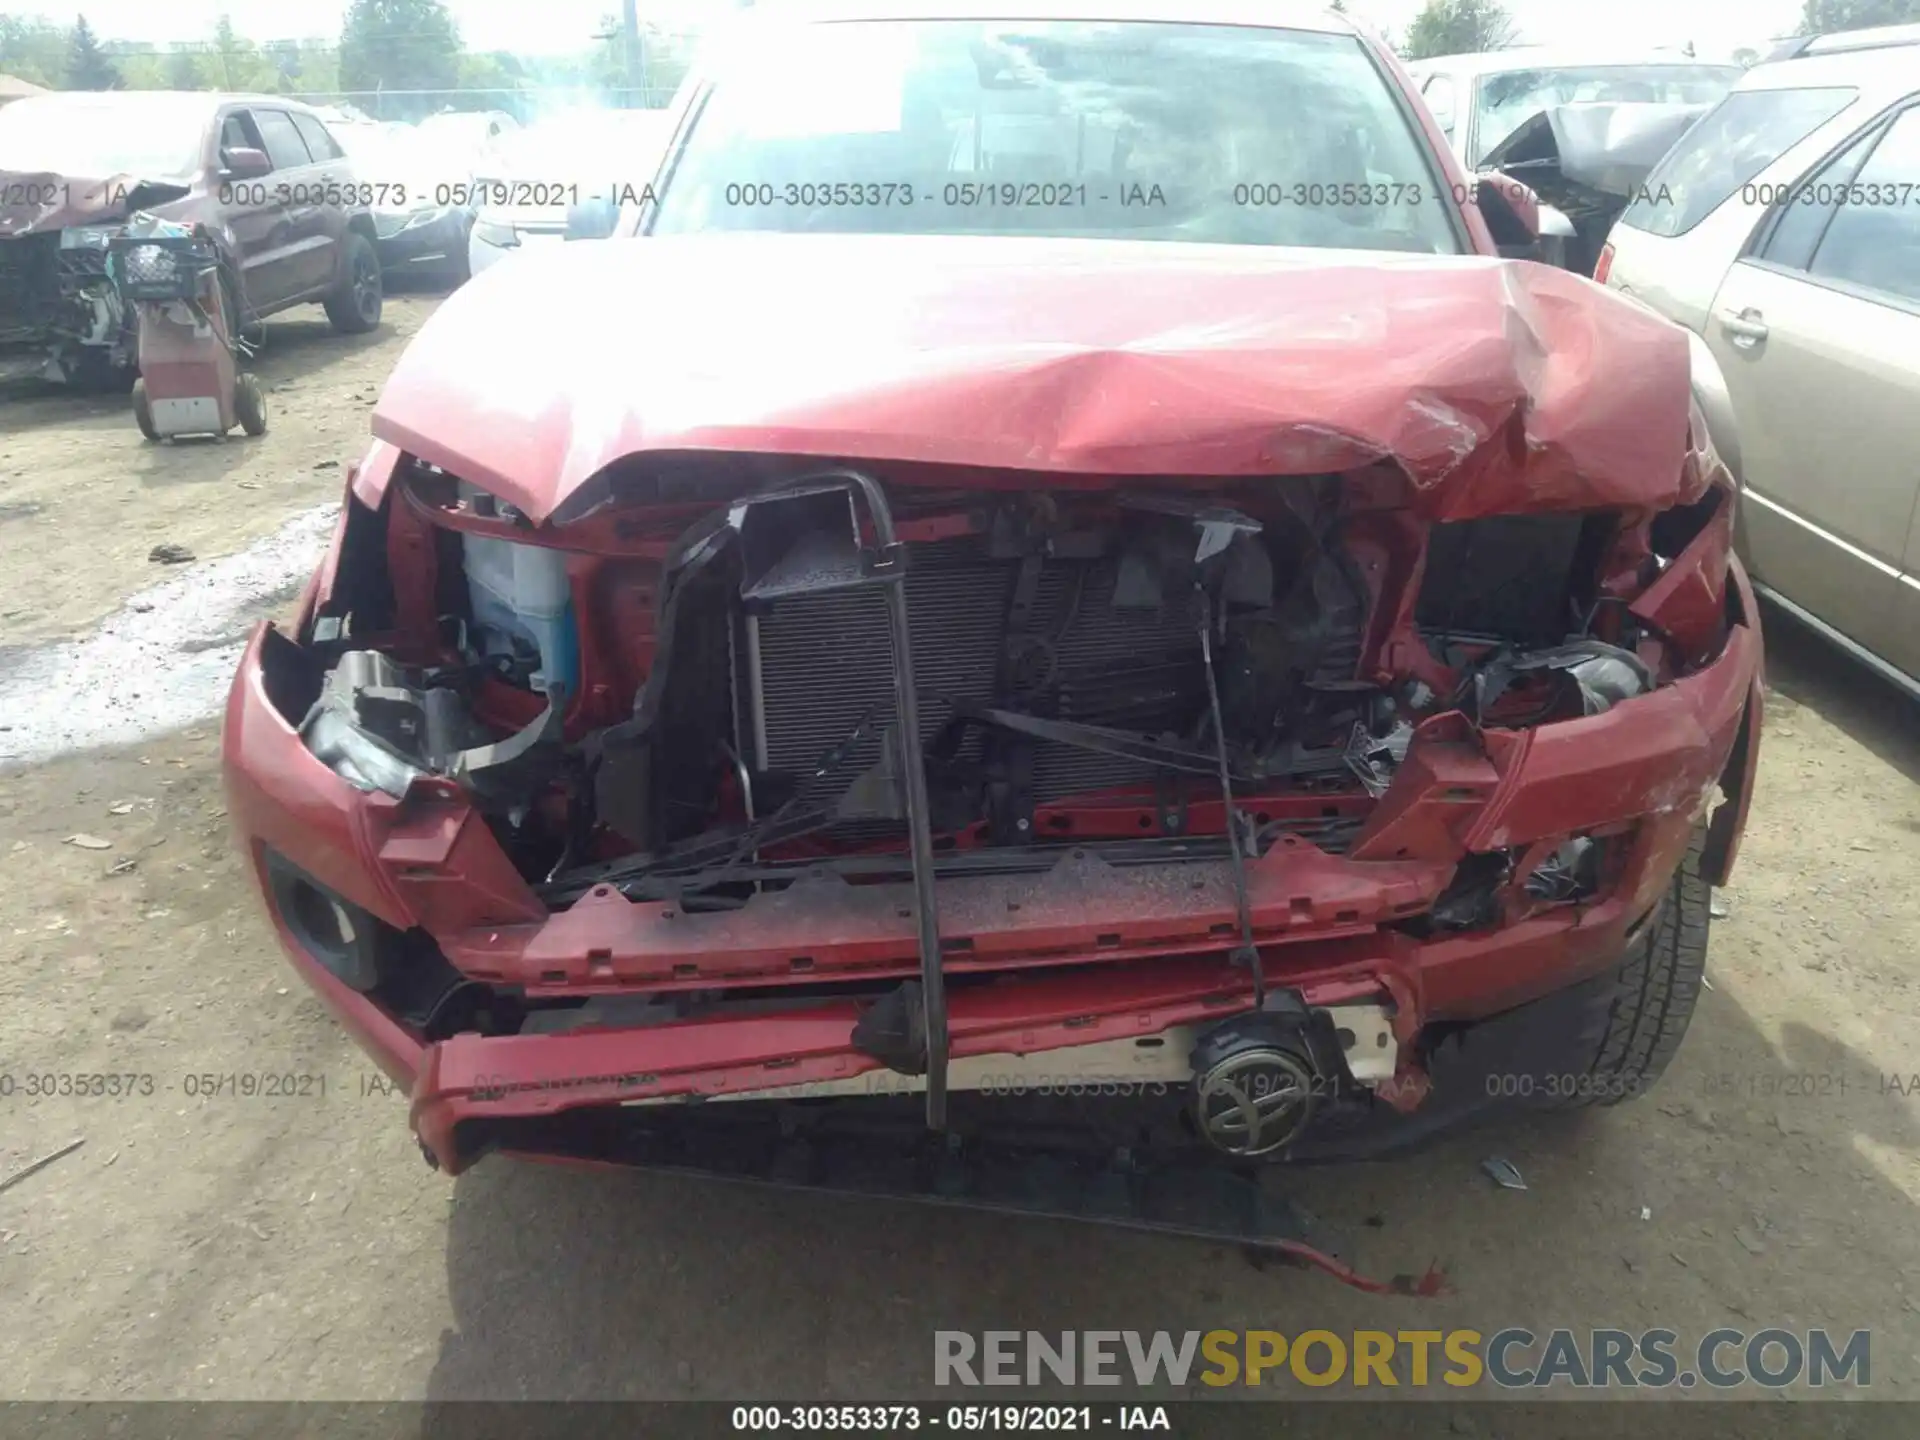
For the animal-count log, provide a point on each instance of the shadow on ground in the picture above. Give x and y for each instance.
(584, 1285)
(1808, 670)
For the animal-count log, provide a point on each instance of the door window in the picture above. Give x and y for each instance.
(1735, 141)
(1801, 215)
(284, 145)
(1874, 238)
(237, 133)
(320, 144)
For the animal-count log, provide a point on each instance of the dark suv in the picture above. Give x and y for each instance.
(262, 174)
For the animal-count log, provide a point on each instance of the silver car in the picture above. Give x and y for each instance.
(1784, 231)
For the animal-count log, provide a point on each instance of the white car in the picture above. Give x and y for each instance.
(556, 163)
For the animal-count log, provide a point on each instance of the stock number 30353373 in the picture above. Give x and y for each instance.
(963, 1419)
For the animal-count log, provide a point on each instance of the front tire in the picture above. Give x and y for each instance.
(143, 411)
(354, 306)
(458, 265)
(250, 405)
(1659, 983)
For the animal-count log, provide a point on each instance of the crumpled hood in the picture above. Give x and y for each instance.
(1607, 148)
(1498, 386)
(36, 201)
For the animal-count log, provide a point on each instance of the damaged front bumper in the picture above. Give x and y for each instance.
(1042, 968)
(57, 298)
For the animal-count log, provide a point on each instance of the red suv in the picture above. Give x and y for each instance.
(262, 174)
(1063, 622)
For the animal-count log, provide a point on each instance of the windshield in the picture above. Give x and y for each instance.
(146, 137)
(1503, 103)
(1222, 134)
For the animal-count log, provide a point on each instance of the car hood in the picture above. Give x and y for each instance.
(36, 201)
(1496, 386)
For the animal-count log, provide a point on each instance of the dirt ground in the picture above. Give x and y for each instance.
(218, 1246)
(83, 498)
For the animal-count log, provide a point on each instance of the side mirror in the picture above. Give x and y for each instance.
(1511, 210)
(244, 163)
(592, 219)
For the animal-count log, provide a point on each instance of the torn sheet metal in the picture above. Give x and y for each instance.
(1579, 156)
(34, 202)
(1496, 386)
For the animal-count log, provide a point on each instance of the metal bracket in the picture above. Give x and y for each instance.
(886, 565)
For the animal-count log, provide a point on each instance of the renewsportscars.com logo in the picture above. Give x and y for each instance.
(1513, 1358)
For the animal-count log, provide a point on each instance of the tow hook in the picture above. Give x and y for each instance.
(1258, 1078)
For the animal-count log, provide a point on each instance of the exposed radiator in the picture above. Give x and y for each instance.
(823, 661)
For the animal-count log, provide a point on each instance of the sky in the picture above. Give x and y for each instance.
(1716, 27)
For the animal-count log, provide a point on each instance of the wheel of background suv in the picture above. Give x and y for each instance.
(354, 306)
(1659, 985)
(250, 405)
(143, 411)
(459, 261)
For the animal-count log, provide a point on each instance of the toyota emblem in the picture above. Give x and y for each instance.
(1256, 1101)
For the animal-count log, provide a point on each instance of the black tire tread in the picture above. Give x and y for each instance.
(342, 313)
(1660, 981)
(249, 404)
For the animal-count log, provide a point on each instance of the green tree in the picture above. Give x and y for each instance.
(400, 45)
(1459, 27)
(33, 50)
(1820, 17)
(237, 64)
(140, 68)
(490, 81)
(301, 68)
(663, 64)
(187, 70)
(1747, 56)
(88, 67)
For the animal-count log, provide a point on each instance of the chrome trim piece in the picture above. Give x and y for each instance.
(1834, 540)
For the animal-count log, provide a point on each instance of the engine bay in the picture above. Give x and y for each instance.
(700, 703)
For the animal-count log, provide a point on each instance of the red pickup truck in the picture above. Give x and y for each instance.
(1027, 663)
